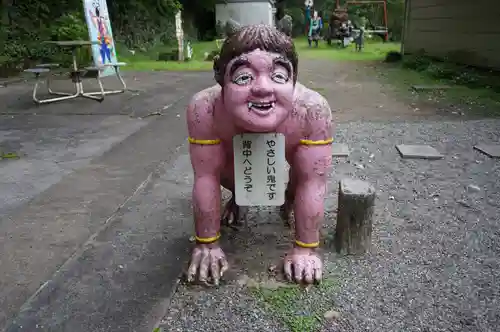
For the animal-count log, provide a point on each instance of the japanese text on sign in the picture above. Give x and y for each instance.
(247, 152)
(271, 169)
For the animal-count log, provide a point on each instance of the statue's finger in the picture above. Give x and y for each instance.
(230, 218)
(204, 265)
(318, 274)
(224, 218)
(236, 213)
(299, 271)
(224, 265)
(287, 268)
(308, 274)
(215, 272)
(193, 266)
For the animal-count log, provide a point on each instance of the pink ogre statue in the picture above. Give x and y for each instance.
(257, 92)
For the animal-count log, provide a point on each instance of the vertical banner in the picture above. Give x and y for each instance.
(99, 25)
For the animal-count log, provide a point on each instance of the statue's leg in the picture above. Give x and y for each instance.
(232, 213)
(287, 208)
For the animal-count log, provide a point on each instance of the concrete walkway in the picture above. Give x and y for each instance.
(81, 162)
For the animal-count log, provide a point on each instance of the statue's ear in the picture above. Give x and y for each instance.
(232, 27)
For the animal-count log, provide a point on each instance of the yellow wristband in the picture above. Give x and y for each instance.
(207, 239)
(307, 245)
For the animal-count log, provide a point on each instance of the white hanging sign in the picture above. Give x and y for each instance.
(259, 169)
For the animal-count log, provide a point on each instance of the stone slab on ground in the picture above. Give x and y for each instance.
(427, 245)
(418, 152)
(340, 150)
(492, 151)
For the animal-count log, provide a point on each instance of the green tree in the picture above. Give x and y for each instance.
(25, 23)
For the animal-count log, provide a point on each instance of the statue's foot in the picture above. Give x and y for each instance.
(232, 213)
(303, 265)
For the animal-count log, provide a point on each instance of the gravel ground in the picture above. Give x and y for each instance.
(435, 263)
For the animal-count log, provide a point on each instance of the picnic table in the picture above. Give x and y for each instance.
(76, 74)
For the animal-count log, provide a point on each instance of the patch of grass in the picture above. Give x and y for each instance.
(372, 51)
(168, 66)
(478, 91)
(300, 309)
(147, 60)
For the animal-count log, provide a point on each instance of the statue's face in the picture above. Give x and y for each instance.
(258, 90)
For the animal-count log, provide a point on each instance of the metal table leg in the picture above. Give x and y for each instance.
(110, 92)
(79, 82)
(51, 100)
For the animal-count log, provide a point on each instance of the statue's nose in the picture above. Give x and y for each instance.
(262, 87)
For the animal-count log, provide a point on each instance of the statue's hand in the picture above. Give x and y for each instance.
(303, 265)
(208, 262)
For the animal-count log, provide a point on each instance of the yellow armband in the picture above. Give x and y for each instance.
(319, 142)
(204, 141)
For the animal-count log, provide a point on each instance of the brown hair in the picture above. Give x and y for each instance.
(252, 37)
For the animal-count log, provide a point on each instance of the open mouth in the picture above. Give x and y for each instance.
(261, 107)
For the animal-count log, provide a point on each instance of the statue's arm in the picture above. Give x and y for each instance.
(207, 159)
(313, 164)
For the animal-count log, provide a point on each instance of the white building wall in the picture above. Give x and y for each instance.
(245, 13)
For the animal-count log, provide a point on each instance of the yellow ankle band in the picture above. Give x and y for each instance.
(207, 239)
(307, 245)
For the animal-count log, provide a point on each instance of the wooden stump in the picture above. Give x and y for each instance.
(354, 217)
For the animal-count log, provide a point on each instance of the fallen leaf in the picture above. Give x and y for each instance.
(332, 314)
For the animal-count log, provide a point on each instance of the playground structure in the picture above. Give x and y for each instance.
(338, 28)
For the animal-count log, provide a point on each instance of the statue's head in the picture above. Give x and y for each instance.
(257, 69)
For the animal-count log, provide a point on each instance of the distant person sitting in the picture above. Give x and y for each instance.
(315, 26)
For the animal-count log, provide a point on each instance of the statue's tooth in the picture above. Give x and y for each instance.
(250, 105)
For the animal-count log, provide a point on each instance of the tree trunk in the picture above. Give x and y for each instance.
(5, 10)
(356, 204)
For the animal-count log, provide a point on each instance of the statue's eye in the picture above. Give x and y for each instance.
(280, 77)
(242, 79)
